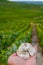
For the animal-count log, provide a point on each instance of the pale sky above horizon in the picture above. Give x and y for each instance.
(25, 0)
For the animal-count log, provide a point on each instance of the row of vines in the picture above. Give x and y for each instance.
(40, 35)
(9, 42)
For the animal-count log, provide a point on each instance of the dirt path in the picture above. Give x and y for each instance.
(39, 59)
(35, 42)
(34, 36)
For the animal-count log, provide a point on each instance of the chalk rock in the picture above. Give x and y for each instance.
(26, 50)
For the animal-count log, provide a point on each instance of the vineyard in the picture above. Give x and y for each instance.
(16, 21)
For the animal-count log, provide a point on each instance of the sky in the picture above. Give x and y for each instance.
(26, 0)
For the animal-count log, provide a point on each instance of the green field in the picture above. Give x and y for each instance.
(15, 26)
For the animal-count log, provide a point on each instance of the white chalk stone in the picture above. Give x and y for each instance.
(25, 50)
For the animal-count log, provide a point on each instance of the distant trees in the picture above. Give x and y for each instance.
(3, 0)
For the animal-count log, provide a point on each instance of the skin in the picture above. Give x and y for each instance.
(16, 60)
